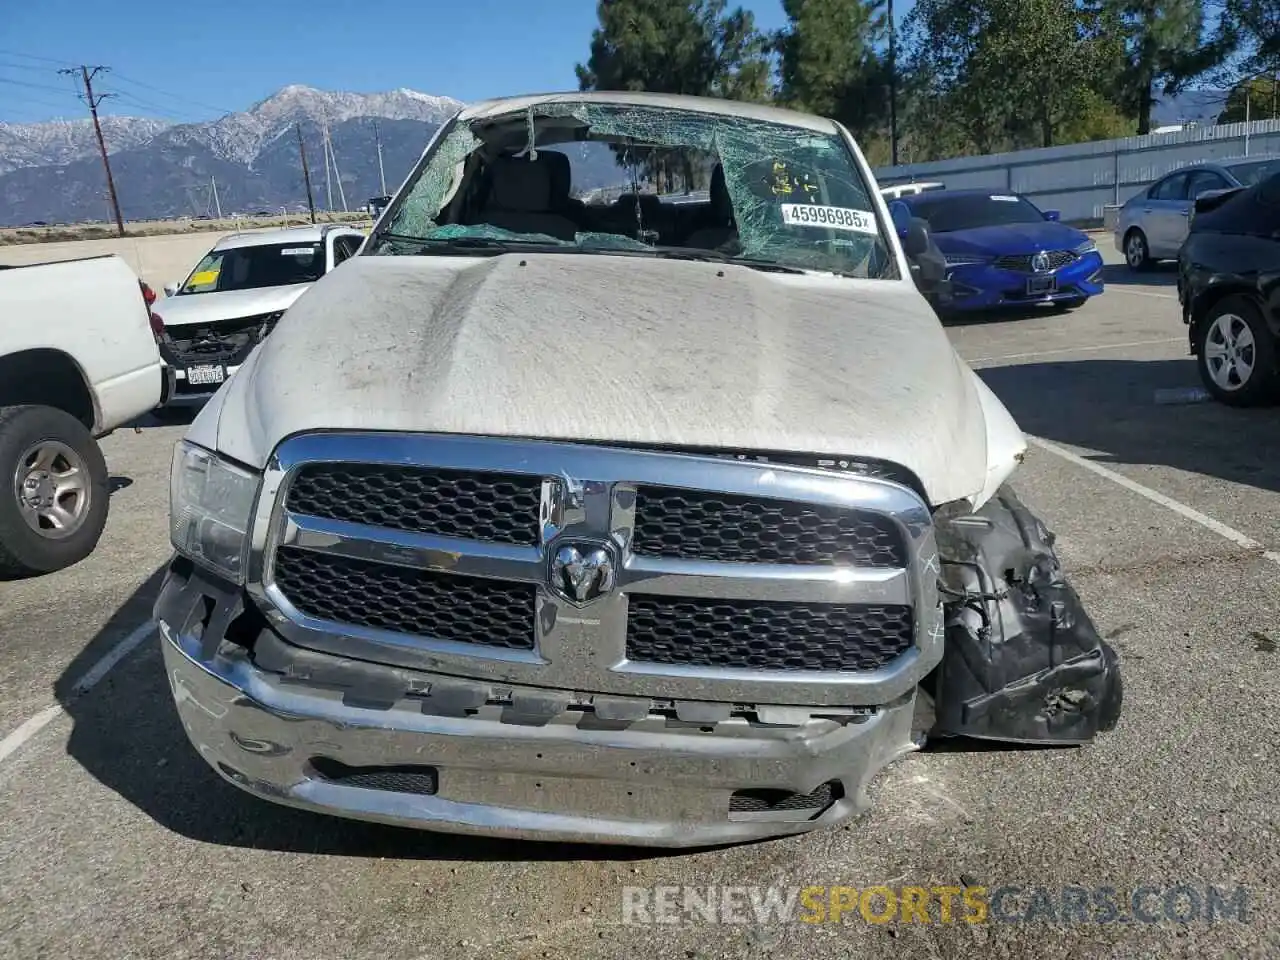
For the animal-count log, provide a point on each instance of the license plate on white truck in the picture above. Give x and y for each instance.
(209, 373)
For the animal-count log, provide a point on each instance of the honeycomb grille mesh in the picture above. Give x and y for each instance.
(700, 525)
(498, 508)
(766, 635)
(470, 610)
(766, 801)
(1022, 261)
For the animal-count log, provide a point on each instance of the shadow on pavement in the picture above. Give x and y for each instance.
(1109, 406)
(127, 735)
(177, 416)
(1003, 315)
(1161, 274)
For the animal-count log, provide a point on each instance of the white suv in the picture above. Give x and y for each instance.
(234, 297)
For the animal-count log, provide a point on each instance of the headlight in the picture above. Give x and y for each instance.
(961, 259)
(210, 505)
(1087, 247)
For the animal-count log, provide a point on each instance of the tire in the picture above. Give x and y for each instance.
(1236, 354)
(31, 545)
(1137, 253)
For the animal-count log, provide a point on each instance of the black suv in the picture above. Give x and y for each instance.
(1229, 287)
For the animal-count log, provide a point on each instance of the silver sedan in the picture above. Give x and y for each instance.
(1154, 222)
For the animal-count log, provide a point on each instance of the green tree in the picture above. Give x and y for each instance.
(829, 61)
(1167, 46)
(1251, 29)
(676, 46)
(1257, 98)
(1000, 74)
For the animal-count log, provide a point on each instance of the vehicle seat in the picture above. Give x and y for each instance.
(721, 228)
(521, 200)
(561, 186)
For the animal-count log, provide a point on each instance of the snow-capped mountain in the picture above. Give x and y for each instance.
(61, 141)
(51, 172)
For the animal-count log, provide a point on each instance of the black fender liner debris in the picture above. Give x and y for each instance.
(1023, 661)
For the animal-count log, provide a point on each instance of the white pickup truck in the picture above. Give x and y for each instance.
(78, 358)
(615, 520)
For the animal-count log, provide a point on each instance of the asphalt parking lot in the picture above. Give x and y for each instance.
(117, 840)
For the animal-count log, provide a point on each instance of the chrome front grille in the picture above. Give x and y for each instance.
(719, 579)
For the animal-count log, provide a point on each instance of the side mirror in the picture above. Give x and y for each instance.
(1054, 215)
(170, 289)
(916, 240)
(900, 213)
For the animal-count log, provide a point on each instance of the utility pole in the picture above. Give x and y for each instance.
(893, 87)
(86, 76)
(337, 174)
(382, 177)
(306, 173)
(328, 183)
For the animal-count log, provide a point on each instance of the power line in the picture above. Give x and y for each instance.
(34, 86)
(24, 66)
(87, 75)
(130, 100)
(173, 96)
(31, 56)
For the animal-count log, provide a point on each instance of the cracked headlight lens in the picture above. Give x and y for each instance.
(211, 504)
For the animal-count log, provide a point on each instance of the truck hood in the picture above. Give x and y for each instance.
(612, 348)
(192, 309)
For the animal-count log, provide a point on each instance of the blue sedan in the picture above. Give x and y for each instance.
(1003, 251)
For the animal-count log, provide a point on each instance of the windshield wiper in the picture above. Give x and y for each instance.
(432, 245)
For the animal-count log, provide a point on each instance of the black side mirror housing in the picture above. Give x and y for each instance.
(916, 240)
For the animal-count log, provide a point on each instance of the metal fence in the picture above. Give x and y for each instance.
(1083, 179)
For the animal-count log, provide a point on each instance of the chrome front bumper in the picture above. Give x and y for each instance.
(653, 783)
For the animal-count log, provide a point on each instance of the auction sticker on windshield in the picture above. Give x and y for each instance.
(834, 218)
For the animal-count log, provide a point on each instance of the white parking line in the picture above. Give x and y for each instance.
(1189, 513)
(1094, 349)
(92, 677)
(1116, 288)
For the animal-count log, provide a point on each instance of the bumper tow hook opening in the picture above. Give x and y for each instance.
(415, 778)
(783, 805)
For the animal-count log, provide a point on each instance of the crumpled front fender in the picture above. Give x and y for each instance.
(1023, 660)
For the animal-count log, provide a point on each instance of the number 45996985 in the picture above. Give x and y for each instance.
(832, 218)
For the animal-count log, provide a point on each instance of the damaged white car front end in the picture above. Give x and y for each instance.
(541, 522)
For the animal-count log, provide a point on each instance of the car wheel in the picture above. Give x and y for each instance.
(1237, 354)
(53, 491)
(1136, 252)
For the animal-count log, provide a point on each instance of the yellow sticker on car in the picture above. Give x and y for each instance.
(203, 279)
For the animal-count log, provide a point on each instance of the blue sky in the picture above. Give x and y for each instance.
(189, 62)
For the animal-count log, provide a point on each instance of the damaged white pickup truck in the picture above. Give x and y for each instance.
(572, 509)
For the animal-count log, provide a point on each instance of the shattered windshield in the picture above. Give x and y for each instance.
(581, 177)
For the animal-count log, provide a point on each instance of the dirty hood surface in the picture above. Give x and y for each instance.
(632, 349)
(190, 309)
